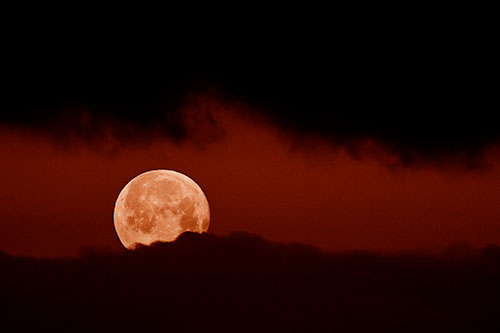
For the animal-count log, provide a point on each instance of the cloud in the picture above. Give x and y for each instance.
(242, 282)
(423, 102)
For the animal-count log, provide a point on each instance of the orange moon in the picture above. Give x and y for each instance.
(159, 205)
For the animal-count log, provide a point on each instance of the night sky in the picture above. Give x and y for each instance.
(282, 187)
(341, 151)
(373, 148)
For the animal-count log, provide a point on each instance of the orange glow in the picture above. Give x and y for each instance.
(56, 200)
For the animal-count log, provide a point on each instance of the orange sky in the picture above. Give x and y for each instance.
(58, 198)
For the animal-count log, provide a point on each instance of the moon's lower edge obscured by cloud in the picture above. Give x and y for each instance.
(159, 205)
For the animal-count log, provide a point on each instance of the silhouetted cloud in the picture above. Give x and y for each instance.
(244, 283)
(415, 94)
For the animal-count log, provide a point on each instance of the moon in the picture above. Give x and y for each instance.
(159, 205)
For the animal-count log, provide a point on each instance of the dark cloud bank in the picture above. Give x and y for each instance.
(243, 283)
(425, 95)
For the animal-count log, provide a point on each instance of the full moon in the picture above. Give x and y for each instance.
(159, 205)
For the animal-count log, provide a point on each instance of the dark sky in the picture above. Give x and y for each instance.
(380, 139)
(422, 98)
(350, 157)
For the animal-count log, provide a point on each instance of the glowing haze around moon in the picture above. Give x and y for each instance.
(159, 205)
